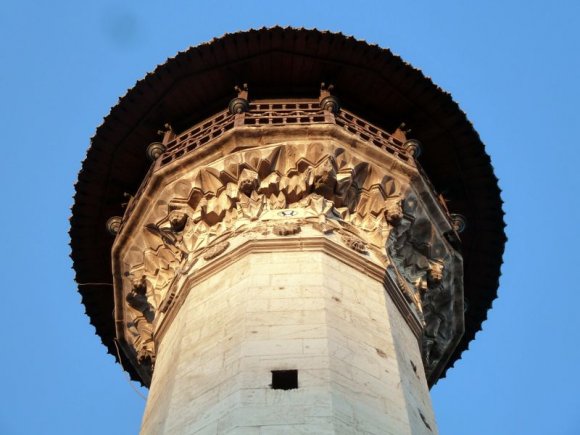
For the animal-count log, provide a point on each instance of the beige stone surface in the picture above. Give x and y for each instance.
(358, 361)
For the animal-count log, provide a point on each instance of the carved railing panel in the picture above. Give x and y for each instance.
(284, 113)
(199, 135)
(280, 113)
(369, 133)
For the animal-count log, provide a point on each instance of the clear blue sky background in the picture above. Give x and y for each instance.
(513, 66)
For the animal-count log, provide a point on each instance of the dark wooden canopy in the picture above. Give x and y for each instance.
(285, 62)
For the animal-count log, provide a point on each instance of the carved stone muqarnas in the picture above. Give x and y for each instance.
(380, 210)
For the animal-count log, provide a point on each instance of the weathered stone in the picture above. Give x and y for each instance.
(351, 346)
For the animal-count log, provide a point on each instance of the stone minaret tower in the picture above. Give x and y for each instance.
(301, 232)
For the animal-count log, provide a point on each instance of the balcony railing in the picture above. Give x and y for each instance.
(278, 113)
(271, 114)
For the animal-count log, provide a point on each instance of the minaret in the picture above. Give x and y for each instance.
(305, 233)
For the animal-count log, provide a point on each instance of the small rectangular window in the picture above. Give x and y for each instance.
(284, 379)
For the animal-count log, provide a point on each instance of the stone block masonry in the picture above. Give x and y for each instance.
(359, 364)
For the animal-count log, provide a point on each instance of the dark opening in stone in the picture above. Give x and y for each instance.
(284, 379)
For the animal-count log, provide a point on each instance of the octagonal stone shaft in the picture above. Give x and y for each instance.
(358, 363)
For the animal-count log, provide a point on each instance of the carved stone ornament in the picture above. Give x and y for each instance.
(216, 250)
(114, 225)
(238, 105)
(458, 222)
(281, 190)
(330, 104)
(413, 147)
(154, 150)
(140, 325)
(286, 229)
(354, 243)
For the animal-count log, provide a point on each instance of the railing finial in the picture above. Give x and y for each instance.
(167, 133)
(328, 102)
(240, 104)
(154, 150)
(114, 225)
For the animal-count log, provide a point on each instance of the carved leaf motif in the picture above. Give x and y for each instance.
(286, 229)
(354, 243)
(216, 250)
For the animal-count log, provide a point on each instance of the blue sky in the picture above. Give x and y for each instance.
(513, 66)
